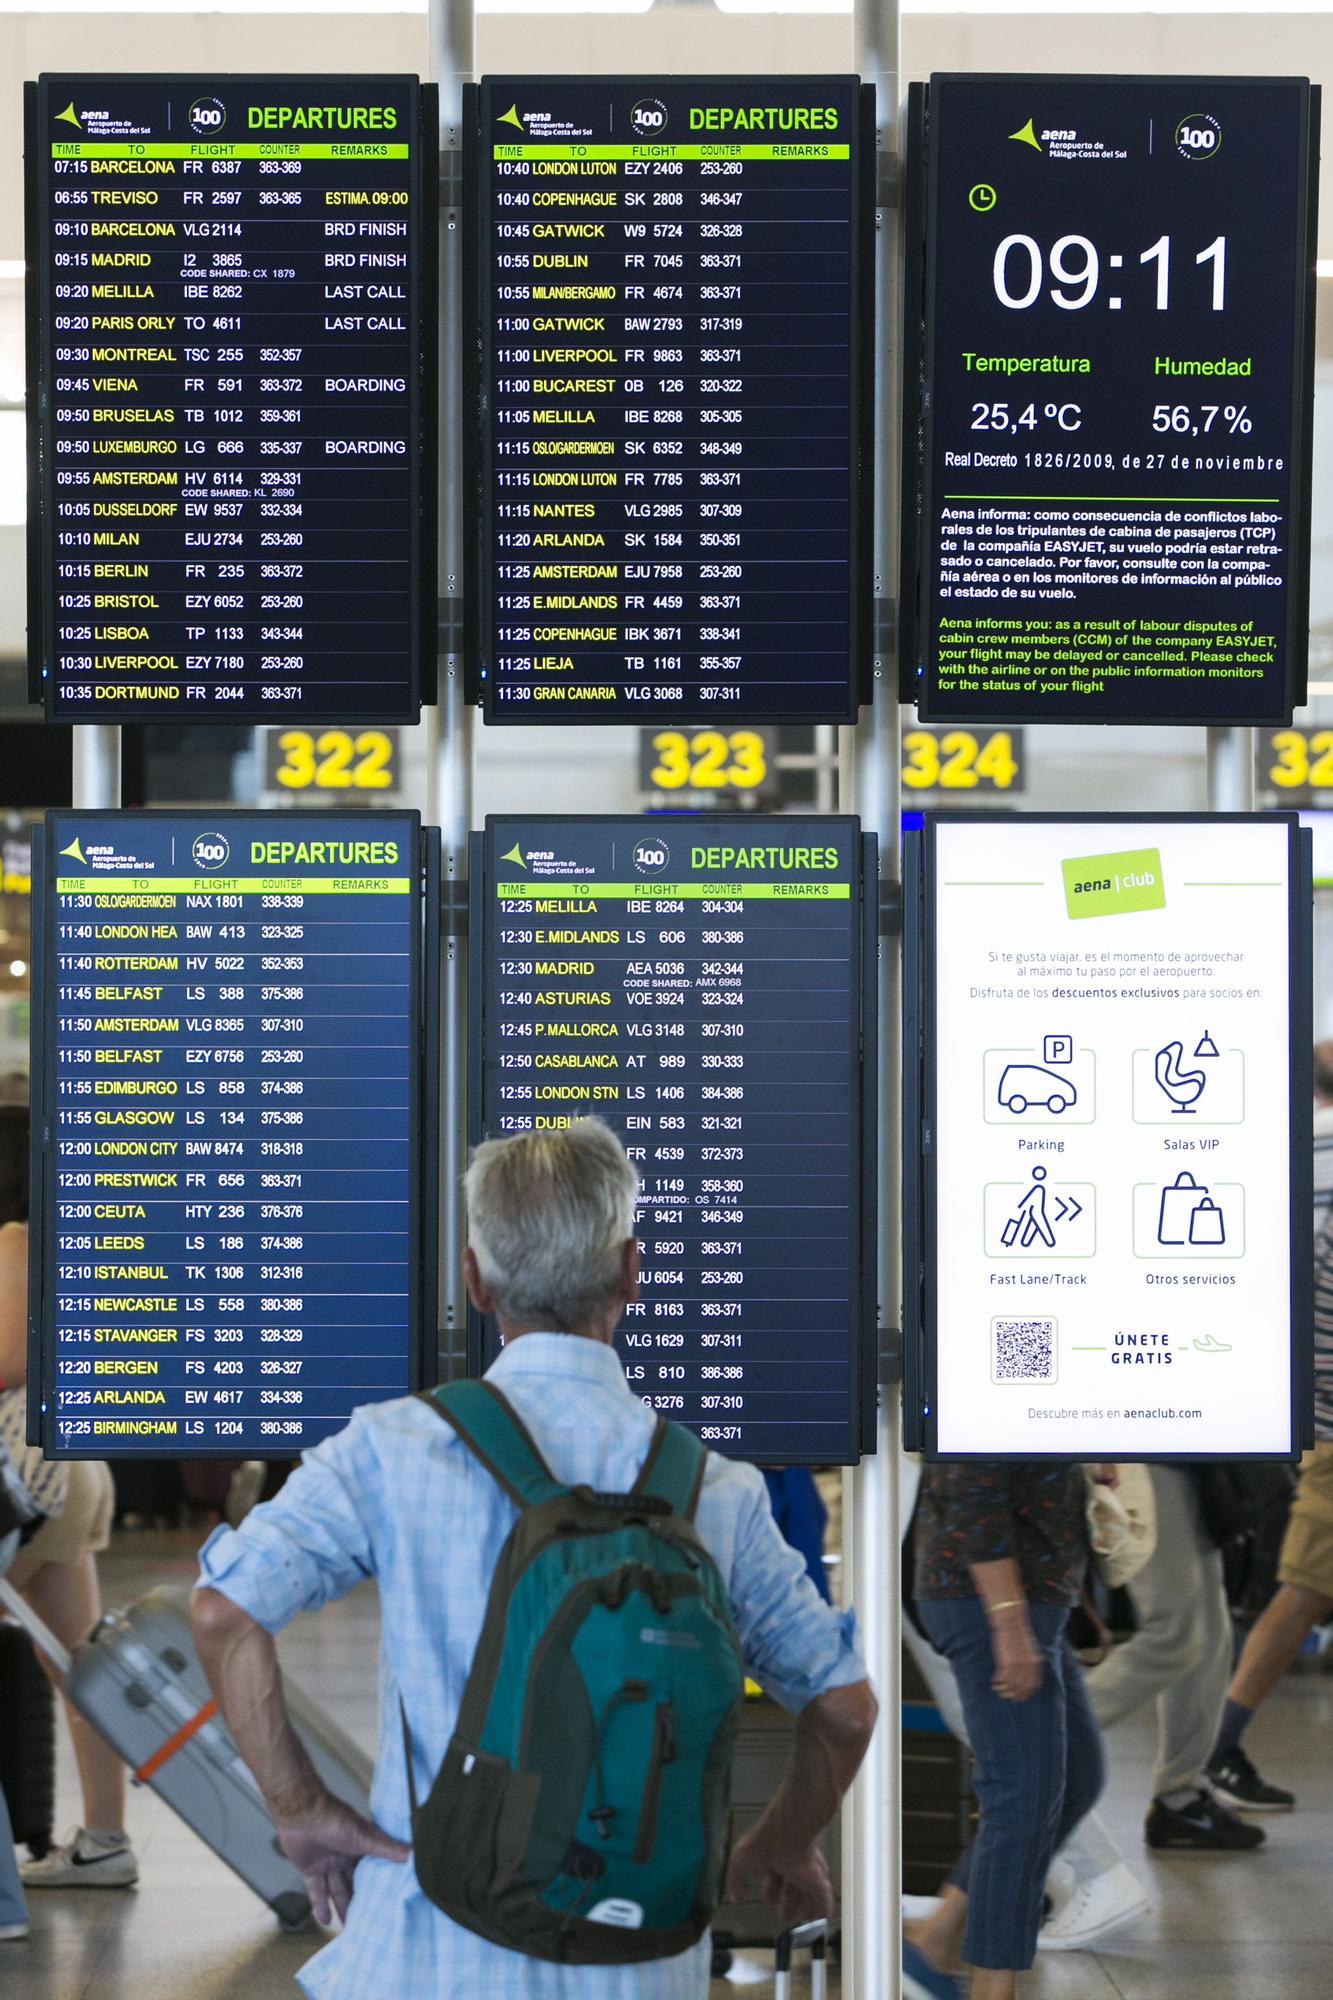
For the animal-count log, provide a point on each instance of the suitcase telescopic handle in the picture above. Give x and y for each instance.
(815, 1936)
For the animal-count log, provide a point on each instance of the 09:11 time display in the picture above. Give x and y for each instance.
(1020, 266)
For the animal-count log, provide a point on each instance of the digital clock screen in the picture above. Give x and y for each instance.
(1108, 520)
(698, 985)
(669, 283)
(227, 336)
(227, 1104)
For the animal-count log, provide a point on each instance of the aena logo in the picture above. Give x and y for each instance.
(649, 117)
(207, 114)
(210, 850)
(1198, 137)
(651, 856)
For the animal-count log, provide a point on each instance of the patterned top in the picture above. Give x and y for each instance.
(1323, 1334)
(396, 1496)
(977, 1511)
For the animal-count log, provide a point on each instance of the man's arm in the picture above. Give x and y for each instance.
(322, 1835)
(833, 1733)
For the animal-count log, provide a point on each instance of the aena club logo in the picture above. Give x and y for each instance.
(651, 856)
(1199, 136)
(210, 850)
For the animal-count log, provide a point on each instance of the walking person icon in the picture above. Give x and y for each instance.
(1029, 1222)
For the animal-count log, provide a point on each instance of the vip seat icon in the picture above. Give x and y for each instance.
(1184, 1087)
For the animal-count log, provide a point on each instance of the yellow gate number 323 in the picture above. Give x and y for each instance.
(708, 760)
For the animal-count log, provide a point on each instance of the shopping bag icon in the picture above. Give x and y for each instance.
(1178, 1205)
(1207, 1224)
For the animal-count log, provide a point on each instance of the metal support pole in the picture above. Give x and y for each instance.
(96, 767)
(1230, 770)
(872, 1922)
(826, 767)
(449, 728)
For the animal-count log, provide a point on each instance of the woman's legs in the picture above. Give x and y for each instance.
(13, 1908)
(66, 1597)
(992, 1909)
(1085, 1758)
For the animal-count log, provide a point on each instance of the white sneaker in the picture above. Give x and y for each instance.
(1096, 1906)
(13, 1933)
(83, 1863)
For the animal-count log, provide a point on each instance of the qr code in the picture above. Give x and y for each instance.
(1023, 1350)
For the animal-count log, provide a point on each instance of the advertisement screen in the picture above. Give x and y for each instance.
(697, 985)
(668, 276)
(1118, 1136)
(227, 332)
(1109, 493)
(228, 1101)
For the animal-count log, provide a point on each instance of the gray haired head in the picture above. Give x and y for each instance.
(549, 1214)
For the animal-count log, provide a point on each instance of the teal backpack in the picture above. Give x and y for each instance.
(580, 1813)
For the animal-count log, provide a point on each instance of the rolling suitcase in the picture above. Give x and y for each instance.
(138, 1680)
(27, 1742)
(815, 1935)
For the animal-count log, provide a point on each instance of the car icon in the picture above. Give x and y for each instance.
(1025, 1084)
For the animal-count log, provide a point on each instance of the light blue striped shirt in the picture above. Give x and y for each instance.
(397, 1497)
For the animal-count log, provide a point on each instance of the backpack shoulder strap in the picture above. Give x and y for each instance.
(674, 1468)
(498, 1439)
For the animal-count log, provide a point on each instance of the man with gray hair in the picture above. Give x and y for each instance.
(553, 1255)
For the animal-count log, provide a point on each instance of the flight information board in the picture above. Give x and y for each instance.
(1108, 503)
(669, 282)
(231, 1081)
(232, 364)
(698, 985)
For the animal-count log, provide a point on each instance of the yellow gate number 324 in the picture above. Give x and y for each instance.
(957, 761)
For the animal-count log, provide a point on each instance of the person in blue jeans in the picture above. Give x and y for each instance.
(1001, 1552)
(13, 1909)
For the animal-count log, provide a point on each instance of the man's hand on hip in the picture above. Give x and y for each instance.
(325, 1843)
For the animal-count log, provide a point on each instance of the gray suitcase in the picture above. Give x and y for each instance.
(138, 1680)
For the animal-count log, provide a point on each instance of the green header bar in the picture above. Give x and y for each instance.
(268, 149)
(754, 892)
(102, 886)
(811, 150)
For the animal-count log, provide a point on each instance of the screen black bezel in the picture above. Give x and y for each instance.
(917, 665)
(423, 1144)
(423, 337)
(862, 1028)
(480, 437)
(921, 1157)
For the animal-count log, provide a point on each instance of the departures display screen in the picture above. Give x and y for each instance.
(667, 274)
(698, 985)
(228, 1050)
(230, 322)
(1109, 518)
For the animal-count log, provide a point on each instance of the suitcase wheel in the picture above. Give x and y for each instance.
(292, 1910)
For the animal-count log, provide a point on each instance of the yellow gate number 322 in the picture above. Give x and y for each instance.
(335, 760)
(708, 760)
